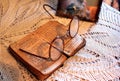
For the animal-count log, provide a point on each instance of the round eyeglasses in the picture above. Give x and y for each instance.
(56, 48)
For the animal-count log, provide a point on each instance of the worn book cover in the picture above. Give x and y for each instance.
(40, 55)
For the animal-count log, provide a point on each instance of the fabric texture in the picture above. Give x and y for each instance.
(99, 60)
(114, 3)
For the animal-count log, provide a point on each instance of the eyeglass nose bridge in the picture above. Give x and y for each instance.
(66, 36)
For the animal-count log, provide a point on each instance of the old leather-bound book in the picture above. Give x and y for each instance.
(46, 49)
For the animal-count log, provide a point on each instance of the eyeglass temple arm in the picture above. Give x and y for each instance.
(44, 7)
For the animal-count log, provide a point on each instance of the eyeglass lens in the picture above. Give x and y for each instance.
(56, 48)
(74, 26)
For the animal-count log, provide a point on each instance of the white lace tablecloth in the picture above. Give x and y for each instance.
(99, 60)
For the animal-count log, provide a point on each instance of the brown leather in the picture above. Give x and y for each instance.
(27, 49)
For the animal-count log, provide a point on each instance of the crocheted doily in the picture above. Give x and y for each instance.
(99, 60)
(17, 19)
